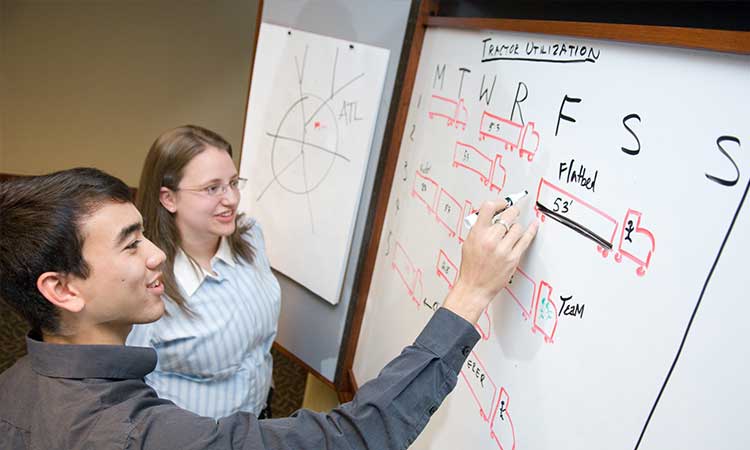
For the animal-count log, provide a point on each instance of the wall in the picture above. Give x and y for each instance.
(94, 82)
(2, 84)
(309, 327)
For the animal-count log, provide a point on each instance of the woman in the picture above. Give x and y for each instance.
(222, 300)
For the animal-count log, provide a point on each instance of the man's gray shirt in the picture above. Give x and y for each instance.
(71, 397)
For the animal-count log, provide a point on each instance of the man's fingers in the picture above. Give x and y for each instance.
(525, 240)
(487, 211)
(510, 214)
(506, 219)
(513, 235)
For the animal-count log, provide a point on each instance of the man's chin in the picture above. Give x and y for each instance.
(156, 314)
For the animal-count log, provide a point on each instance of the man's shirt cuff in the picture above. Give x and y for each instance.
(450, 337)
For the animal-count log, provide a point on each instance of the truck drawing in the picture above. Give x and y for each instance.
(454, 111)
(491, 171)
(635, 243)
(545, 313)
(501, 427)
(484, 325)
(512, 134)
(409, 274)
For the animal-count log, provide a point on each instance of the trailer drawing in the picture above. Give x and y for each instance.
(481, 386)
(583, 217)
(448, 212)
(521, 289)
(426, 190)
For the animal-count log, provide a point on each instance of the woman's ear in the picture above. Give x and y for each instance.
(167, 199)
(56, 288)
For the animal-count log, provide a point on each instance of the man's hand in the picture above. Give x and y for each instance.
(489, 258)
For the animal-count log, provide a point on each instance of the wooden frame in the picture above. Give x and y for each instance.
(407, 72)
(11, 176)
(696, 38)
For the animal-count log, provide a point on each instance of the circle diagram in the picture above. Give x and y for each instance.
(305, 145)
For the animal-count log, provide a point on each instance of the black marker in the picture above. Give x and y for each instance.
(511, 200)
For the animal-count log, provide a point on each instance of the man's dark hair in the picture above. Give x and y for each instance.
(40, 221)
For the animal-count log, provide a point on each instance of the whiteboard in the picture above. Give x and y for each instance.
(636, 151)
(310, 121)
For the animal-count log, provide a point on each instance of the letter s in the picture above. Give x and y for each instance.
(722, 181)
(638, 141)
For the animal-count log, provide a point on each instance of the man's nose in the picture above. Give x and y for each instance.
(157, 257)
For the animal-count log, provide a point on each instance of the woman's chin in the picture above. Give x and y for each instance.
(224, 229)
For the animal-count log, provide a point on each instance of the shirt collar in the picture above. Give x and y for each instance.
(89, 361)
(186, 274)
(224, 253)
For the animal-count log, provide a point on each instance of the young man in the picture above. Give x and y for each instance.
(75, 264)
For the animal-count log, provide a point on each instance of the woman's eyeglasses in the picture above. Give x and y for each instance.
(219, 189)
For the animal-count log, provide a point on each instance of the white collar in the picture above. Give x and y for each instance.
(190, 279)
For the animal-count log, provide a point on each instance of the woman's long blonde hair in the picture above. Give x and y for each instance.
(164, 167)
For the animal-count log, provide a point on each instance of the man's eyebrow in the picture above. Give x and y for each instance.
(127, 231)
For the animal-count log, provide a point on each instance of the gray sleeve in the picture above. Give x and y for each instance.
(388, 412)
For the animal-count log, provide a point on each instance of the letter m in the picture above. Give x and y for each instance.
(439, 76)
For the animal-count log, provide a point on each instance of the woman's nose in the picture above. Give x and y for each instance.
(230, 196)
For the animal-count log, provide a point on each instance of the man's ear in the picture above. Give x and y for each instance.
(166, 197)
(56, 288)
